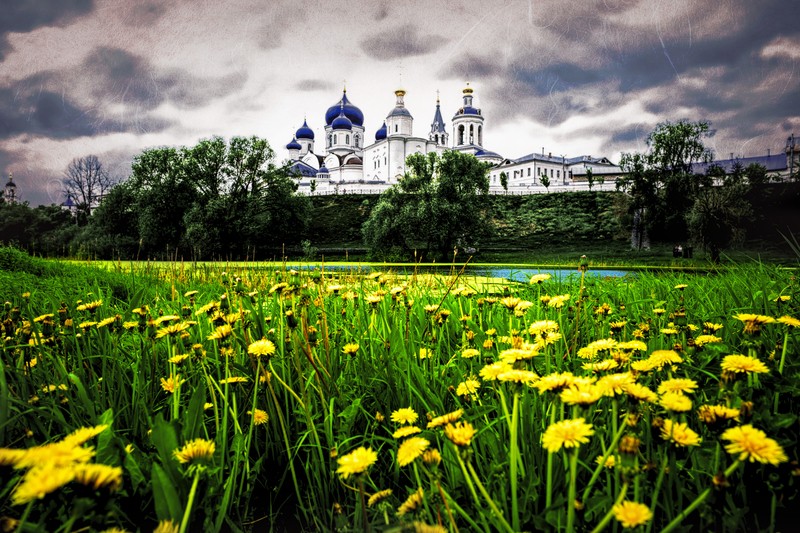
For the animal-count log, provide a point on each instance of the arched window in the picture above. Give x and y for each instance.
(330, 140)
(480, 136)
(471, 136)
(461, 134)
(346, 139)
(395, 128)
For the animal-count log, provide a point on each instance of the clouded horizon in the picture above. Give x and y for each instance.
(114, 77)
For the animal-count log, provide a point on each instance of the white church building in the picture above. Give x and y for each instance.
(350, 163)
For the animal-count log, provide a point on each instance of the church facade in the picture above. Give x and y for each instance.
(350, 160)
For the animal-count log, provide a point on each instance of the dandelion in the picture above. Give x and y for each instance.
(738, 363)
(350, 349)
(405, 431)
(613, 384)
(538, 279)
(702, 340)
(40, 481)
(710, 414)
(197, 450)
(712, 327)
(555, 382)
(675, 401)
(178, 359)
(412, 503)
(679, 434)
(569, 433)
(460, 434)
(411, 449)
(581, 395)
(106, 321)
(233, 380)
(424, 353)
(431, 457)
(789, 321)
(90, 306)
(659, 311)
(682, 385)
(659, 358)
(510, 302)
(171, 383)
(261, 348)
(448, 418)
(469, 353)
(750, 443)
(172, 330)
(468, 387)
(99, 476)
(601, 366)
(221, 332)
(378, 497)
(356, 462)
(512, 355)
(491, 371)
(422, 527)
(167, 526)
(753, 323)
(259, 417)
(405, 415)
(558, 302)
(632, 514)
(640, 393)
(681, 286)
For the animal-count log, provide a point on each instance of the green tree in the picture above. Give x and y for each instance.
(504, 181)
(435, 207)
(661, 183)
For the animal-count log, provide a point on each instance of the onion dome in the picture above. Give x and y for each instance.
(341, 122)
(323, 170)
(294, 145)
(305, 132)
(381, 133)
(350, 111)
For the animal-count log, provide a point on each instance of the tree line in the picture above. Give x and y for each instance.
(230, 200)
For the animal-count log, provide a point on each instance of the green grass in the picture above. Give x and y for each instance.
(118, 360)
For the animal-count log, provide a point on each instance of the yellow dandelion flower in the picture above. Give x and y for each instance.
(610, 461)
(99, 476)
(659, 358)
(669, 331)
(675, 401)
(631, 514)
(753, 322)
(178, 359)
(197, 450)
(460, 434)
(510, 302)
(404, 415)
(221, 332)
(40, 481)
(106, 321)
(261, 348)
(569, 433)
(233, 379)
(583, 395)
(613, 384)
(412, 503)
(600, 366)
(468, 387)
(424, 353)
(702, 340)
(682, 385)
(167, 526)
(539, 278)
(259, 416)
(680, 434)
(491, 371)
(411, 449)
(526, 377)
(166, 318)
(405, 431)
(448, 418)
(640, 393)
(712, 327)
(659, 311)
(737, 363)
(350, 349)
(558, 302)
(90, 306)
(378, 497)
(747, 442)
(714, 413)
(511, 355)
(431, 457)
(469, 353)
(356, 462)
(789, 321)
(82, 435)
(555, 382)
(171, 383)
(632, 346)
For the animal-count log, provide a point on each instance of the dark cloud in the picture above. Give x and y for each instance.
(400, 41)
(119, 76)
(309, 84)
(145, 13)
(472, 67)
(276, 25)
(41, 112)
(382, 12)
(22, 16)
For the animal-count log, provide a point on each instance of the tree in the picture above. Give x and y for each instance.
(590, 178)
(86, 182)
(545, 182)
(435, 207)
(504, 181)
(661, 182)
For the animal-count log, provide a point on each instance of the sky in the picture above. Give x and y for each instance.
(112, 78)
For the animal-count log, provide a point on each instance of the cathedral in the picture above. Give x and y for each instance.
(352, 161)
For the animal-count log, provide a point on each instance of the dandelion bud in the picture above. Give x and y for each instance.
(629, 445)
(291, 320)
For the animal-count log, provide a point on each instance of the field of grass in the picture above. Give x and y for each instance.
(179, 397)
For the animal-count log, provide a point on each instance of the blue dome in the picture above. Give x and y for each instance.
(323, 170)
(350, 111)
(399, 112)
(294, 145)
(381, 133)
(305, 132)
(342, 122)
(468, 110)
